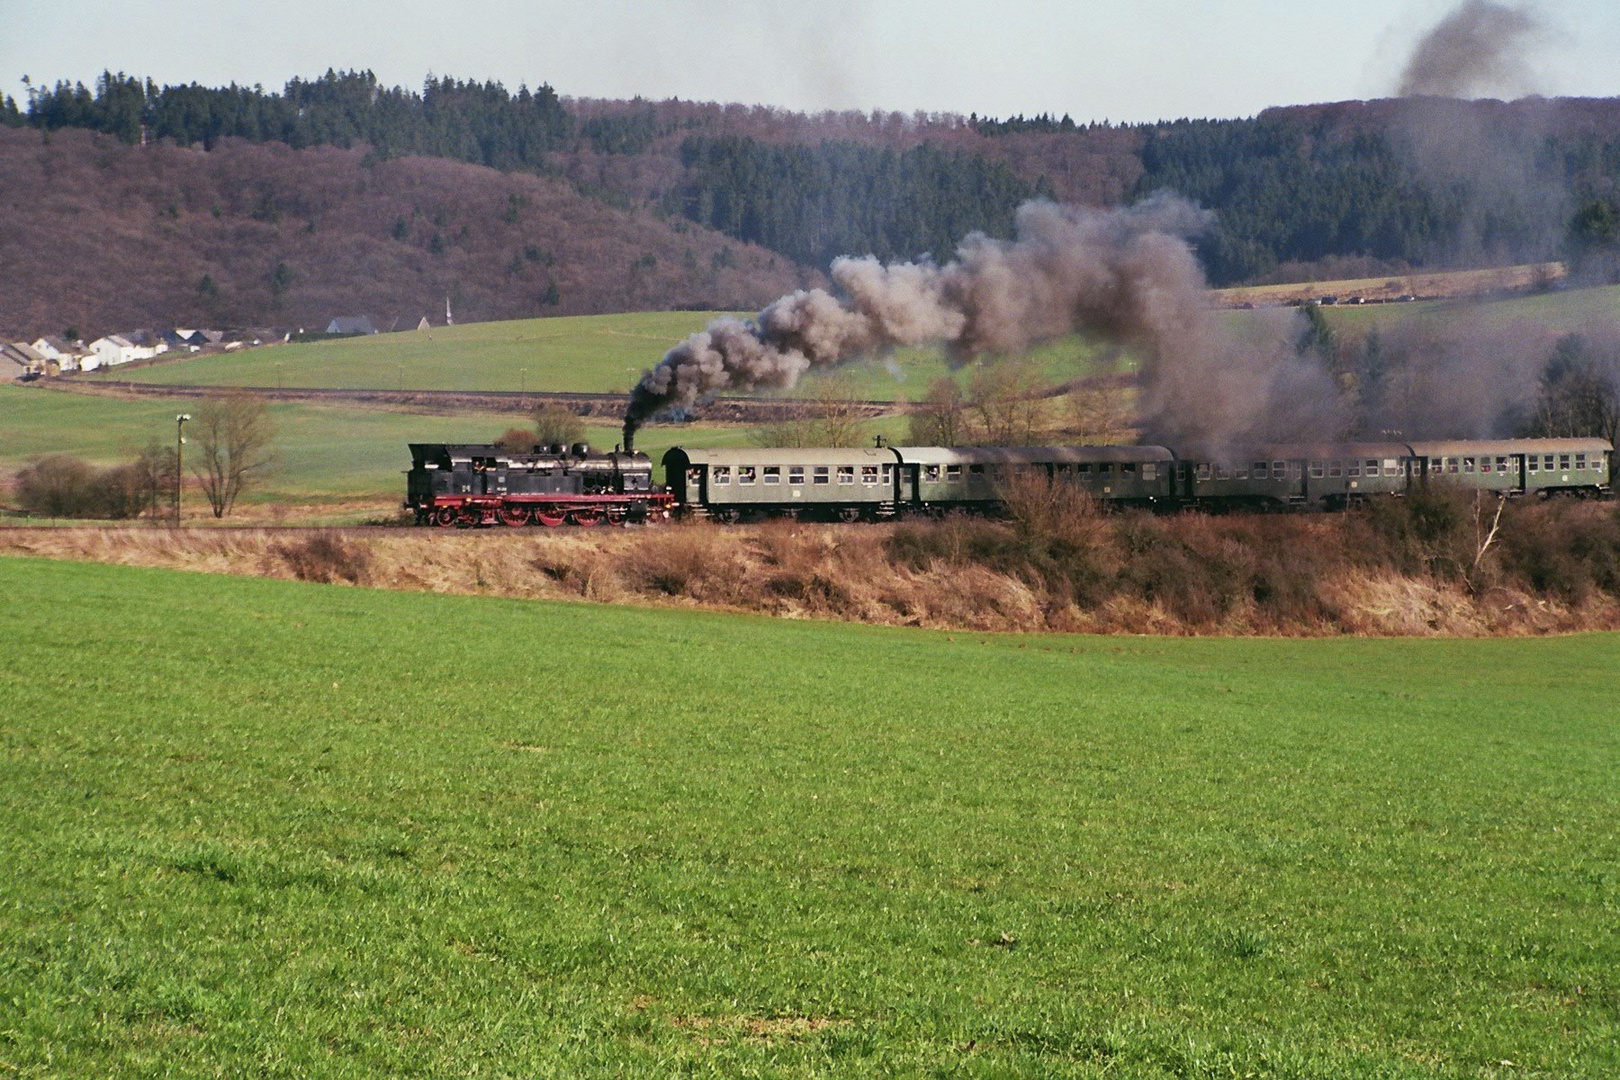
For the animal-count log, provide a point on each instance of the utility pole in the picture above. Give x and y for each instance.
(179, 461)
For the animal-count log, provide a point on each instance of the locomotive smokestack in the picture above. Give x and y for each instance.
(629, 437)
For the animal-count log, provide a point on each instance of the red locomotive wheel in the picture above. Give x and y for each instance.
(587, 517)
(616, 515)
(445, 517)
(515, 516)
(550, 516)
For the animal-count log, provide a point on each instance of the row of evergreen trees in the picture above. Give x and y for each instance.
(1286, 189)
(469, 121)
(814, 203)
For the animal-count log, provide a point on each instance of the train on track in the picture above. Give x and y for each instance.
(475, 484)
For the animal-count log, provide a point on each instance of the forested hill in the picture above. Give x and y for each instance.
(1301, 192)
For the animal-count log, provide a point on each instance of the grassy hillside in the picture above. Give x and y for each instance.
(606, 353)
(583, 354)
(291, 830)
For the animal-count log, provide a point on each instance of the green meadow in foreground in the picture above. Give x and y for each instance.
(262, 828)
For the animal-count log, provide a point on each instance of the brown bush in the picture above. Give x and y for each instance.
(327, 558)
(64, 486)
(1569, 550)
(694, 561)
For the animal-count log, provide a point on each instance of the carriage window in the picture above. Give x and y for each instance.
(1563, 461)
(1105, 469)
(1261, 470)
(846, 474)
(1150, 471)
(1335, 468)
(1062, 467)
(1580, 461)
(694, 476)
(930, 472)
(1501, 464)
(1203, 471)
(720, 474)
(1083, 468)
(1353, 468)
(1240, 472)
(1451, 464)
(1484, 464)
(1468, 464)
(745, 474)
(953, 473)
(1318, 470)
(888, 474)
(1279, 469)
(1393, 467)
(821, 474)
(1372, 467)
(1127, 468)
(1532, 463)
(1546, 463)
(773, 474)
(976, 470)
(795, 474)
(868, 474)
(1222, 472)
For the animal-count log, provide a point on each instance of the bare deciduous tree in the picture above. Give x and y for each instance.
(829, 416)
(941, 416)
(556, 424)
(1009, 403)
(1100, 411)
(234, 436)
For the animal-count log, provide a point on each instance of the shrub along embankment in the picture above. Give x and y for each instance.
(1440, 563)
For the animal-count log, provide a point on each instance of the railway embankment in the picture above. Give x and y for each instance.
(1441, 567)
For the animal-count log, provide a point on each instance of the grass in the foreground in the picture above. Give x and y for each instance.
(262, 828)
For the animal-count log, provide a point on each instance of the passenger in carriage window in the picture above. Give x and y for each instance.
(1468, 464)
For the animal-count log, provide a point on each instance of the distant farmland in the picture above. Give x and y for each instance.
(264, 828)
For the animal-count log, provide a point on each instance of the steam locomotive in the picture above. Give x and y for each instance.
(464, 485)
(470, 484)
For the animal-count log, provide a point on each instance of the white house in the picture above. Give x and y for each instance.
(115, 349)
(67, 356)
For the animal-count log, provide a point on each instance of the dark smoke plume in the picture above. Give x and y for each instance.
(1127, 275)
(1476, 49)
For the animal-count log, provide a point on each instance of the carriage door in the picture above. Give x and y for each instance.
(1517, 484)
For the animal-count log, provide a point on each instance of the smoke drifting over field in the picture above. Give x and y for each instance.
(1478, 48)
(1127, 275)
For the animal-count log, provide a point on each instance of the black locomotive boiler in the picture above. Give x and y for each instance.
(471, 484)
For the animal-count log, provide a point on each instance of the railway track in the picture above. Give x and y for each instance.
(737, 410)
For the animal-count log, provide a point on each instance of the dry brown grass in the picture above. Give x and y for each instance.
(1058, 565)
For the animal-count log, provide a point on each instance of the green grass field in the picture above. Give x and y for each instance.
(578, 354)
(607, 353)
(262, 828)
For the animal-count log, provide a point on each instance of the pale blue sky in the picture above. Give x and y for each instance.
(1118, 60)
